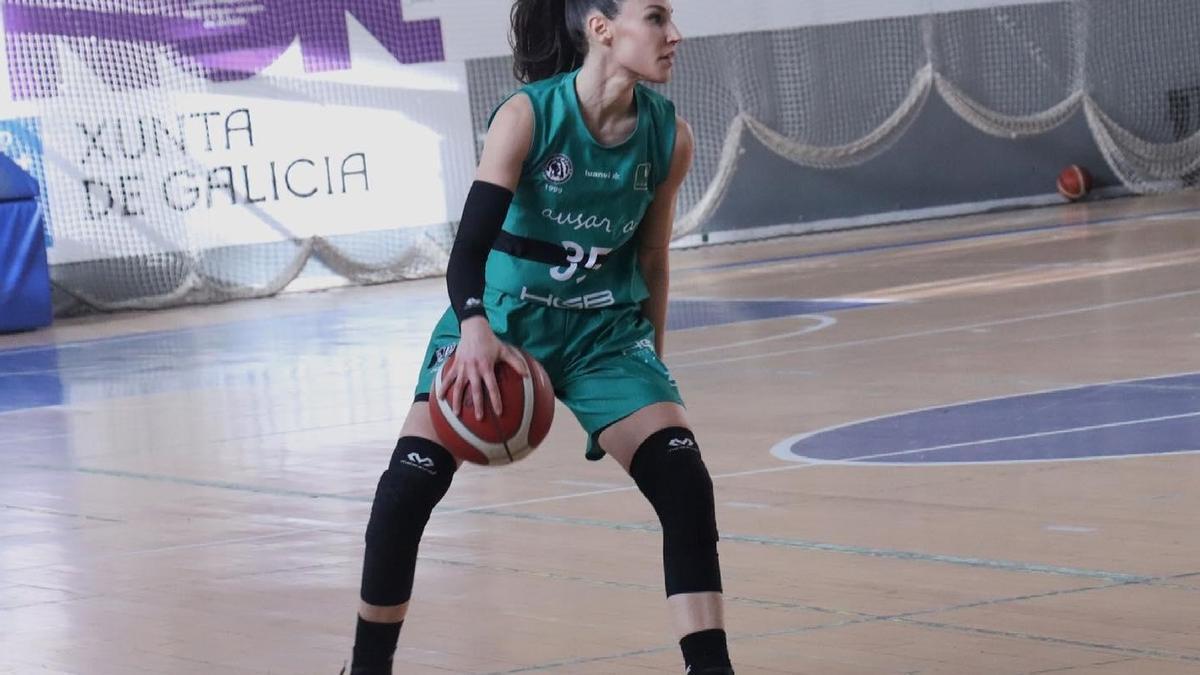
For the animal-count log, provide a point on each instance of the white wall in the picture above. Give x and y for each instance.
(478, 28)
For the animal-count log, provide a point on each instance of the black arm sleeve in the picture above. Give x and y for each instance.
(483, 214)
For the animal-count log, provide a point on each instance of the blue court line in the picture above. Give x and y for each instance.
(893, 554)
(991, 632)
(1112, 579)
(197, 482)
(62, 514)
(926, 242)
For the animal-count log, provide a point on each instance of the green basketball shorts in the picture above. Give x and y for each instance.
(601, 361)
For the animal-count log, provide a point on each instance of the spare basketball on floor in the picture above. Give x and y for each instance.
(1074, 182)
(527, 405)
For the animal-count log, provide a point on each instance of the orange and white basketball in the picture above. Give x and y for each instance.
(1074, 182)
(527, 411)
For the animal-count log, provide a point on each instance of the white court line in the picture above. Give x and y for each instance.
(823, 322)
(855, 461)
(792, 466)
(782, 449)
(939, 331)
(1040, 434)
(796, 463)
(539, 500)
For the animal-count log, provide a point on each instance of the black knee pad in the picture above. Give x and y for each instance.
(415, 481)
(668, 469)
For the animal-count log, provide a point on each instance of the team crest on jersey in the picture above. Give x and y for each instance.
(559, 169)
(641, 177)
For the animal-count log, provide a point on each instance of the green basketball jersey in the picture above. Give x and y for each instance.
(569, 239)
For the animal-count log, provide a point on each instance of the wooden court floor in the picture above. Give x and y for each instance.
(958, 447)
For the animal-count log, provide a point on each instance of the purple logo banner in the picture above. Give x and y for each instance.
(230, 40)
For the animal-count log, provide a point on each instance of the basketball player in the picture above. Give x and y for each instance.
(562, 250)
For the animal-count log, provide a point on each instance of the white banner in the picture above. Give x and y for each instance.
(9, 107)
(5, 89)
(284, 155)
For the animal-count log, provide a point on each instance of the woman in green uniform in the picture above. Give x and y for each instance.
(562, 250)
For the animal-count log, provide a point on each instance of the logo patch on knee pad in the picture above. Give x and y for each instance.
(420, 462)
(681, 443)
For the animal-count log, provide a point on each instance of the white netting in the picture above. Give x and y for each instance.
(830, 96)
(1143, 84)
(837, 96)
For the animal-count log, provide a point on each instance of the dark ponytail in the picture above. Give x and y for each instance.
(548, 35)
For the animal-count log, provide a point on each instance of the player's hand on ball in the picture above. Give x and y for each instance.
(474, 370)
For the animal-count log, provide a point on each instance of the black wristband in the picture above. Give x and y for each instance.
(483, 215)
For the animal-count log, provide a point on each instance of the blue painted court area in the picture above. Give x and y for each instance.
(1140, 417)
(689, 314)
(296, 349)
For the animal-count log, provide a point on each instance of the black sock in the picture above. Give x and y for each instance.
(706, 651)
(374, 646)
